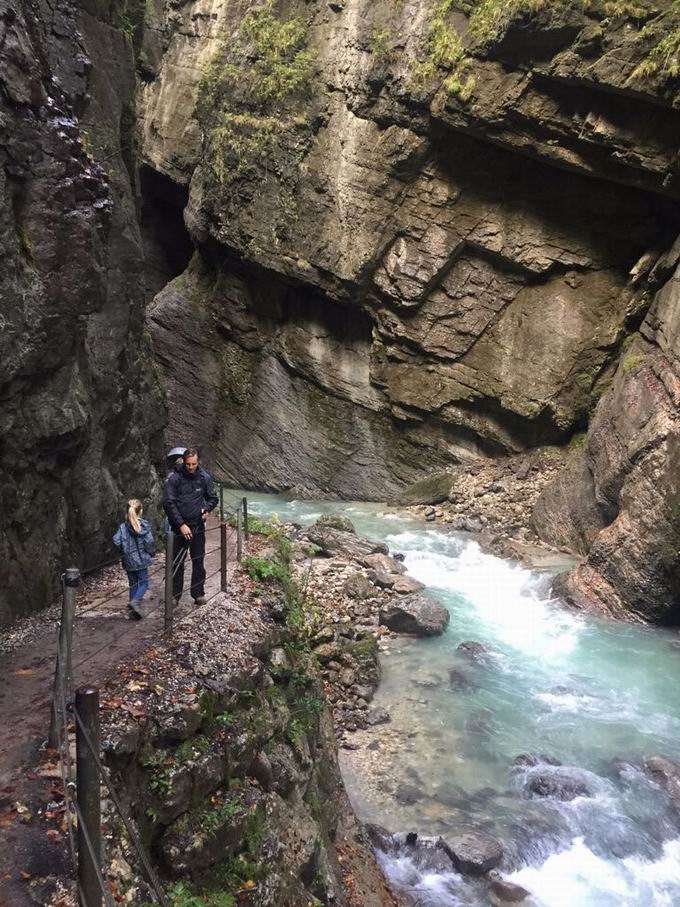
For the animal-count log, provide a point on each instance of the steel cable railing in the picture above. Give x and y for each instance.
(61, 703)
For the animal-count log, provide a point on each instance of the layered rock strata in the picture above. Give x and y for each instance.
(391, 277)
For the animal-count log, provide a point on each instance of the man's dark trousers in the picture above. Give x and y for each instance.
(195, 548)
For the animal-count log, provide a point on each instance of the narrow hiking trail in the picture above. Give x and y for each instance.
(103, 640)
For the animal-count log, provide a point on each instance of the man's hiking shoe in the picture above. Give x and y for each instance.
(200, 600)
(134, 611)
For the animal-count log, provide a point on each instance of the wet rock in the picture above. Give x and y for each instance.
(336, 521)
(459, 681)
(556, 783)
(475, 651)
(666, 773)
(502, 892)
(377, 716)
(427, 680)
(474, 853)
(379, 836)
(452, 795)
(531, 759)
(383, 563)
(432, 490)
(408, 794)
(467, 524)
(416, 614)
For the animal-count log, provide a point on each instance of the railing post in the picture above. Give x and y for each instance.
(88, 793)
(169, 558)
(62, 671)
(246, 534)
(223, 556)
(239, 536)
(221, 502)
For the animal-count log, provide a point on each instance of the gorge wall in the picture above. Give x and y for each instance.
(80, 409)
(375, 238)
(427, 233)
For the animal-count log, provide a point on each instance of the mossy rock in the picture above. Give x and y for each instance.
(336, 521)
(432, 490)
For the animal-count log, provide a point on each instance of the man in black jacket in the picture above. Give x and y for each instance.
(188, 499)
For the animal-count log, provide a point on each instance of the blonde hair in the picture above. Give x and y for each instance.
(134, 512)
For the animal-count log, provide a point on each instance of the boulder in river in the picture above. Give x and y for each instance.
(666, 773)
(474, 853)
(418, 615)
(530, 759)
(336, 521)
(337, 542)
(557, 783)
(382, 563)
(377, 716)
(459, 681)
(475, 651)
(502, 892)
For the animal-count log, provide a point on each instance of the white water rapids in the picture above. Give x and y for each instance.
(597, 696)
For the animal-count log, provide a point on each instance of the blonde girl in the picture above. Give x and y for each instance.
(134, 540)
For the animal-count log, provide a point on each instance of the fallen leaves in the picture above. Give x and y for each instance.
(23, 672)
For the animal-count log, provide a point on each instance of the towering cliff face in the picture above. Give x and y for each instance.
(392, 272)
(79, 408)
(428, 232)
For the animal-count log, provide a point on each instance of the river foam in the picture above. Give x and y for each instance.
(597, 696)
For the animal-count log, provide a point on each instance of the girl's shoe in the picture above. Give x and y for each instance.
(134, 610)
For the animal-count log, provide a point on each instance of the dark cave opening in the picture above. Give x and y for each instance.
(167, 244)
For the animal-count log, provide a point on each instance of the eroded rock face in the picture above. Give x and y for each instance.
(80, 412)
(618, 501)
(389, 287)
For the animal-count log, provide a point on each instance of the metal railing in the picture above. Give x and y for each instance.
(82, 796)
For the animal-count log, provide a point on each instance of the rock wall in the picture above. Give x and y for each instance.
(80, 409)
(223, 750)
(405, 257)
(618, 502)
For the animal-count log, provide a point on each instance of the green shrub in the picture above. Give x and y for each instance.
(263, 570)
(243, 88)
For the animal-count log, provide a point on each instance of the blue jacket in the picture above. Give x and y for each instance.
(136, 548)
(187, 496)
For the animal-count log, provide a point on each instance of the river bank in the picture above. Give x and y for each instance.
(592, 695)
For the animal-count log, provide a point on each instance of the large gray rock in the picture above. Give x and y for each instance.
(432, 490)
(418, 615)
(382, 563)
(336, 542)
(474, 853)
(666, 773)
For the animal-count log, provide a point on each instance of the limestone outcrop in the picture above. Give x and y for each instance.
(403, 260)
